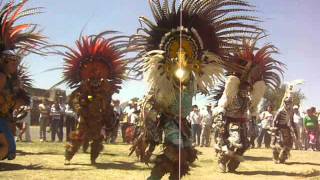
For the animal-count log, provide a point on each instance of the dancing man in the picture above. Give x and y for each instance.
(180, 55)
(16, 42)
(95, 70)
(238, 100)
(282, 128)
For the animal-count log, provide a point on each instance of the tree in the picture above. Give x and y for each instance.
(274, 97)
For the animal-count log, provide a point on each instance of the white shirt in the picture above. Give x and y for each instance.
(117, 109)
(266, 119)
(297, 119)
(69, 111)
(134, 118)
(206, 118)
(195, 117)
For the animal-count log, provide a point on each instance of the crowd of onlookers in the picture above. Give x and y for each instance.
(307, 125)
(58, 119)
(54, 116)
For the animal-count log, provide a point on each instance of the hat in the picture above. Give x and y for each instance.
(209, 104)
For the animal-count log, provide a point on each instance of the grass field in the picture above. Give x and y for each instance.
(45, 161)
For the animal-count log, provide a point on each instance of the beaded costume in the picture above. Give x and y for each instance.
(16, 41)
(239, 98)
(95, 70)
(180, 55)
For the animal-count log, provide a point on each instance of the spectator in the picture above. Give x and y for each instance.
(44, 109)
(266, 121)
(310, 124)
(23, 125)
(128, 110)
(55, 114)
(195, 120)
(117, 115)
(314, 115)
(62, 118)
(206, 123)
(298, 121)
(133, 123)
(71, 121)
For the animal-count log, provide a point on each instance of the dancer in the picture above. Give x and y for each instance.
(282, 128)
(180, 55)
(16, 42)
(242, 92)
(95, 70)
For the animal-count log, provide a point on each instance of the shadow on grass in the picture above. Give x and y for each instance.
(313, 173)
(120, 165)
(23, 153)
(303, 163)
(109, 154)
(16, 167)
(13, 167)
(253, 158)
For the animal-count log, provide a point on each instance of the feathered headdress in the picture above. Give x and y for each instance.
(23, 38)
(25, 82)
(96, 58)
(256, 70)
(257, 64)
(199, 33)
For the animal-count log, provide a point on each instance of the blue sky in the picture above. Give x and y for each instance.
(293, 25)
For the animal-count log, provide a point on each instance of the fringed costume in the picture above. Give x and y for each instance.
(181, 55)
(16, 42)
(282, 129)
(95, 70)
(239, 99)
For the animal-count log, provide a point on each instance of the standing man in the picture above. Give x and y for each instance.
(127, 112)
(26, 124)
(298, 121)
(44, 110)
(195, 120)
(71, 119)
(266, 121)
(206, 123)
(55, 114)
(62, 117)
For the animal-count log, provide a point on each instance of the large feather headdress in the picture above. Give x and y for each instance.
(18, 39)
(208, 32)
(257, 64)
(96, 57)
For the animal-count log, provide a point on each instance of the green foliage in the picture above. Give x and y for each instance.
(274, 97)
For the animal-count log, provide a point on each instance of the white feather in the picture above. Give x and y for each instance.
(257, 93)
(230, 92)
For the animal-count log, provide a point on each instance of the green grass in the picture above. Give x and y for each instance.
(45, 161)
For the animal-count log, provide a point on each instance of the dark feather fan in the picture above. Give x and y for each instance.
(211, 26)
(24, 77)
(217, 92)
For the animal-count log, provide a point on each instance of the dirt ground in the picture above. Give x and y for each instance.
(45, 161)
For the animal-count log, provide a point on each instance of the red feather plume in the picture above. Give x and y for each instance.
(96, 57)
(260, 64)
(23, 37)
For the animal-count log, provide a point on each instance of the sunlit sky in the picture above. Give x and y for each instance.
(293, 26)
